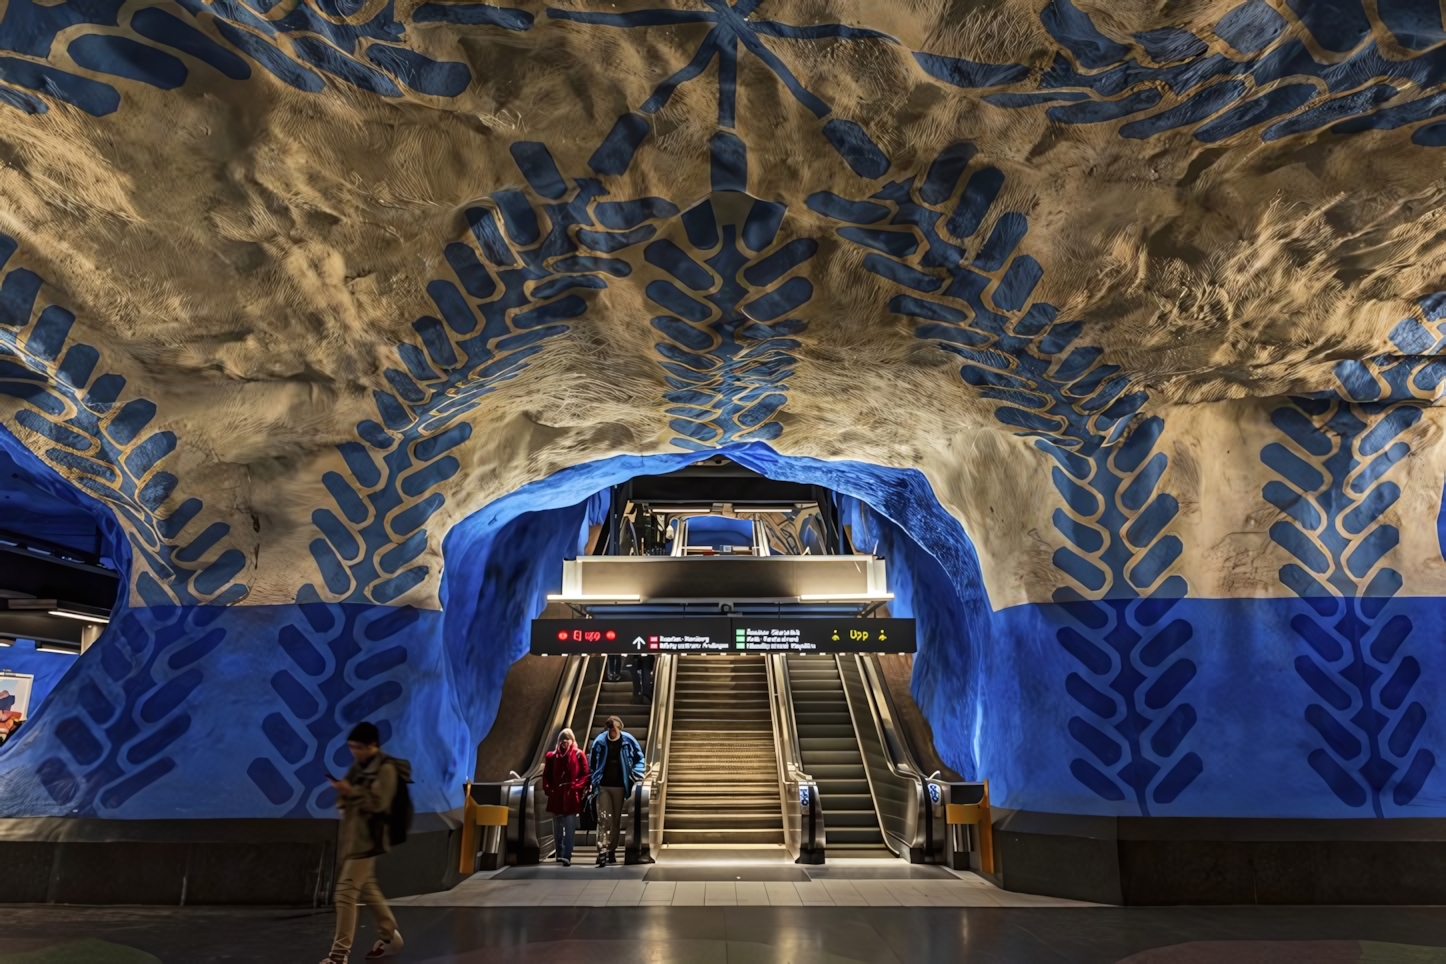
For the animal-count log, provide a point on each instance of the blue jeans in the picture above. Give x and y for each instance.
(564, 828)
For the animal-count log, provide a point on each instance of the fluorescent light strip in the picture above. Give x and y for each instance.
(48, 648)
(847, 597)
(559, 597)
(86, 617)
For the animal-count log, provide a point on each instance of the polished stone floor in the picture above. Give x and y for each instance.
(699, 878)
(730, 934)
(725, 906)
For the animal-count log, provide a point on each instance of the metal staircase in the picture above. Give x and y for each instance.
(722, 779)
(830, 750)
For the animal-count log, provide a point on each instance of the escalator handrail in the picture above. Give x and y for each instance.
(902, 760)
(792, 778)
(655, 754)
(563, 704)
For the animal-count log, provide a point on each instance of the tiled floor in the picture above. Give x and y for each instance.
(732, 934)
(590, 887)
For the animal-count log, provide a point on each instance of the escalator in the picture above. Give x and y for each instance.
(808, 753)
(750, 745)
(722, 770)
(829, 748)
(616, 699)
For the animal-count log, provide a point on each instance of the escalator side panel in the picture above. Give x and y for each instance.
(897, 671)
(528, 695)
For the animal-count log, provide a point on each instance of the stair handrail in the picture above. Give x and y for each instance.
(918, 830)
(804, 833)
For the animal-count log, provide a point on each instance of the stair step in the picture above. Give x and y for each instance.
(722, 780)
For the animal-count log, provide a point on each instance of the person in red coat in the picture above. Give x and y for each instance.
(565, 781)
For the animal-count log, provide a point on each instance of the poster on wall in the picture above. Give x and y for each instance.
(14, 697)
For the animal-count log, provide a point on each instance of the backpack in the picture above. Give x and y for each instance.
(399, 817)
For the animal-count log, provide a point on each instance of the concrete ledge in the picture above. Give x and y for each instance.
(178, 862)
(1175, 860)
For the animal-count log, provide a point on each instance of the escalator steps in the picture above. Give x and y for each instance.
(830, 751)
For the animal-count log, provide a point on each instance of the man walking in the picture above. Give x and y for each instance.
(616, 761)
(365, 797)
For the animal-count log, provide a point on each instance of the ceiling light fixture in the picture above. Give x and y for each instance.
(86, 617)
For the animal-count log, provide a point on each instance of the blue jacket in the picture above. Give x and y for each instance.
(632, 753)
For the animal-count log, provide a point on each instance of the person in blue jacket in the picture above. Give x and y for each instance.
(616, 761)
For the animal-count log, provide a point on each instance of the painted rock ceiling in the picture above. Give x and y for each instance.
(911, 232)
(1151, 295)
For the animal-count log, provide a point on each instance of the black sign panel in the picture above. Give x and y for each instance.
(716, 635)
(823, 635)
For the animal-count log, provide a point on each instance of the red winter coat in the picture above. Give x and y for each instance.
(564, 779)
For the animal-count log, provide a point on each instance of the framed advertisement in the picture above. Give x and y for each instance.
(15, 696)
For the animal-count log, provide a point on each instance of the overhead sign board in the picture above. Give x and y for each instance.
(716, 635)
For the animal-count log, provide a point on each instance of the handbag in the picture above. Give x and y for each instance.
(587, 820)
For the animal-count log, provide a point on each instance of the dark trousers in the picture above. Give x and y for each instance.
(643, 676)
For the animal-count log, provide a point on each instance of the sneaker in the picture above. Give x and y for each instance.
(602, 859)
(333, 959)
(566, 862)
(386, 948)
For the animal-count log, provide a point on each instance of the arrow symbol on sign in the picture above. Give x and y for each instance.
(638, 643)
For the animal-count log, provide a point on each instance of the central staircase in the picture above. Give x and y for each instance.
(722, 780)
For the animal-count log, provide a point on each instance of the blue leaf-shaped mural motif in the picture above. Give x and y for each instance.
(970, 290)
(1334, 491)
(92, 434)
(335, 669)
(314, 39)
(734, 30)
(132, 706)
(1253, 75)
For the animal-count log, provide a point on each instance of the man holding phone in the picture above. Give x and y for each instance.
(365, 797)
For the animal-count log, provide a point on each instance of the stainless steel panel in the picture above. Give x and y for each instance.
(720, 577)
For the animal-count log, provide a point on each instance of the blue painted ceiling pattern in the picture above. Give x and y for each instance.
(1248, 73)
(677, 227)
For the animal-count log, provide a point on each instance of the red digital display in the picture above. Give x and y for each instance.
(610, 635)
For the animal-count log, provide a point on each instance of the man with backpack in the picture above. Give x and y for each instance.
(376, 809)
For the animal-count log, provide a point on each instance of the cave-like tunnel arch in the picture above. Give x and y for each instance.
(291, 680)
